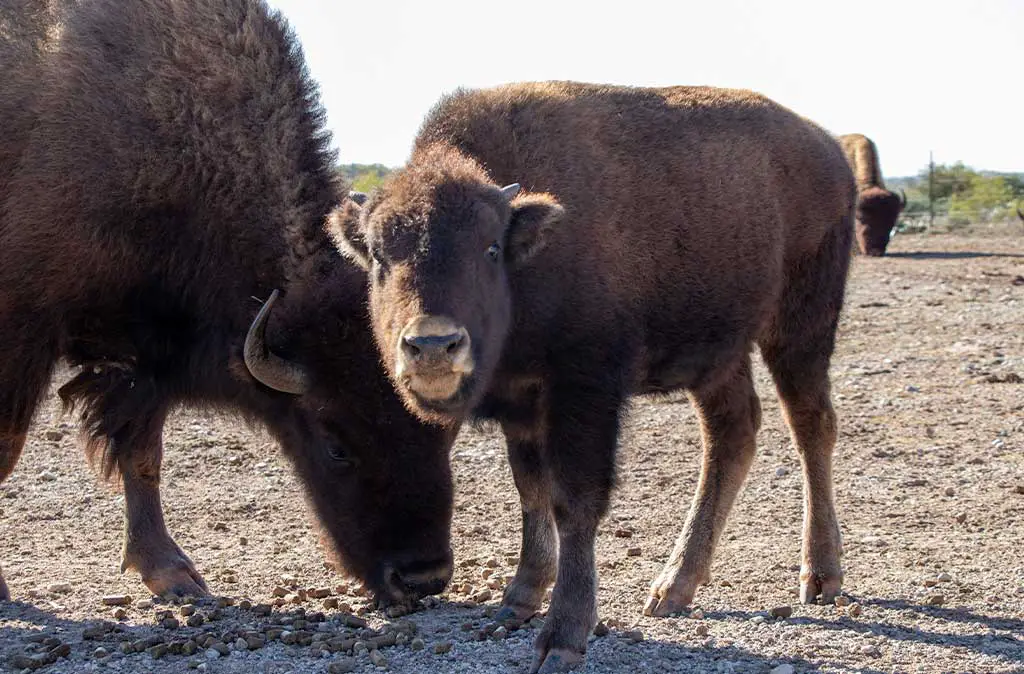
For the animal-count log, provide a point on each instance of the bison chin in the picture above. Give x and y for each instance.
(439, 402)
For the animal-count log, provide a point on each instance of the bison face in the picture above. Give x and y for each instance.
(439, 252)
(877, 211)
(378, 479)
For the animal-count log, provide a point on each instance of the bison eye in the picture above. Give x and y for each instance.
(340, 456)
(493, 251)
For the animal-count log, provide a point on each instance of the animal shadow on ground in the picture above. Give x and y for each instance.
(948, 255)
(612, 653)
(982, 643)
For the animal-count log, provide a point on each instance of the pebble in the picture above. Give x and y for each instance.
(47, 476)
(949, 491)
(634, 552)
(143, 604)
(59, 588)
(342, 666)
(855, 610)
(935, 600)
(623, 533)
(442, 647)
(636, 636)
(601, 630)
(961, 518)
(758, 620)
(212, 653)
(120, 613)
(54, 436)
(944, 578)
(842, 600)
(500, 633)
(195, 620)
(378, 659)
(783, 669)
(781, 612)
(186, 610)
(117, 600)
(157, 651)
(100, 653)
(697, 614)
(170, 623)
(781, 471)
(701, 630)
(320, 592)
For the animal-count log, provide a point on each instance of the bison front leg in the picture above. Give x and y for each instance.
(583, 433)
(148, 546)
(730, 415)
(539, 553)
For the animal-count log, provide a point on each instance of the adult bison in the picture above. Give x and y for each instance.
(176, 174)
(877, 207)
(690, 224)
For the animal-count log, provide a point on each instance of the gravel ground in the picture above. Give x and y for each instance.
(929, 480)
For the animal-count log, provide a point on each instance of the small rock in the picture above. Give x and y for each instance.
(100, 653)
(623, 533)
(701, 630)
(783, 669)
(120, 613)
(842, 600)
(697, 614)
(417, 644)
(758, 620)
(157, 651)
(220, 647)
(195, 620)
(781, 471)
(935, 600)
(601, 630)
(212, 654)
(636, 636)
(634, 552)
(186, 610)
(855, 610)
(59, 588)
(170, 623)
(949, 491)
(342, 666)
(500, 633)
(46, 476)
(97, 631)
(871, 650)
(944, 577)
(781, 612)
(117, 600)
(320, 592)
(54, 436)
(378, 659)
(143, 604)
(482, 596)
(442, 647)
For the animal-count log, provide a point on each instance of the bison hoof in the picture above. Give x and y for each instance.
(823, 586)
(557, 660)
(175, 575)
(519, 614)
(670, 593)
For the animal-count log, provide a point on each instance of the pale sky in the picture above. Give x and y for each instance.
(914, 75)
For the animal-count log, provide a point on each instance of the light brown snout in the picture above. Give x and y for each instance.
(434, 355)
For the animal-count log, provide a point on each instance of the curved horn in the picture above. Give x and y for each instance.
(267, 368)
(903, 199)
(510, 191)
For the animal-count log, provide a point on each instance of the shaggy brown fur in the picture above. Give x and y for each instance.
(177, 171)
(877, 207)
(697, 223)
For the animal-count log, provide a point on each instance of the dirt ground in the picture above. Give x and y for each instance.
(929, 481)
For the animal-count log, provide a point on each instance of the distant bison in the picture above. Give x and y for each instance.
(877, 207)
(662, 233)
(172, 173)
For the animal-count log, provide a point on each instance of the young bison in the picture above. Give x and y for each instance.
(877, 207)
(690, 224)
(167, 168)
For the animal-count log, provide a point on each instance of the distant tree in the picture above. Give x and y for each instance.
(364, 177)
(948, 180)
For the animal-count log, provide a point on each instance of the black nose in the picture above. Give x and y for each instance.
(421, 579)
(432, 346)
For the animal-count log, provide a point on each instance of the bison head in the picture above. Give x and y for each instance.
(877, 211)
(440, 241)
(378, 479)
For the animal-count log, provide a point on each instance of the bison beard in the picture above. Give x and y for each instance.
(163, 169)
(682, 227)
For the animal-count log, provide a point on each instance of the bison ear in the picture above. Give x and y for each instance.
(533, 218)
(343, 228)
